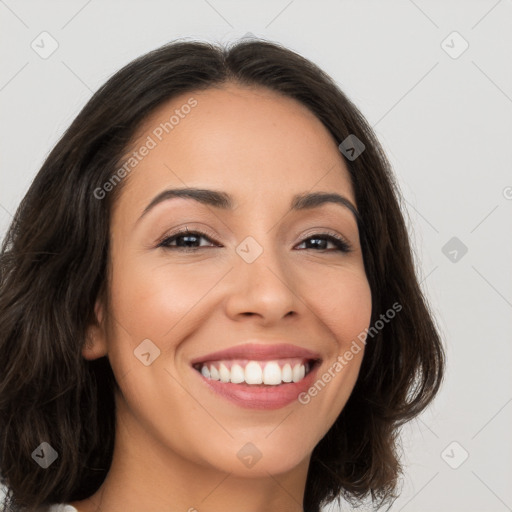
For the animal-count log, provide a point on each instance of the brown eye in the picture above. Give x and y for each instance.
(185, 240)
(324, 238)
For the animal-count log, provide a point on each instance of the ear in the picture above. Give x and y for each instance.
(96, 336)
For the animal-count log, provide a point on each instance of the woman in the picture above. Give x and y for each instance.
(208, 297)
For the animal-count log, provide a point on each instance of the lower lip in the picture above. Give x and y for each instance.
(261, 396)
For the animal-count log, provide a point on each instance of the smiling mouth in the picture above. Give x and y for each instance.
(256, 373)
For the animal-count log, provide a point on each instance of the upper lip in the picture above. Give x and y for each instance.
(259, 352)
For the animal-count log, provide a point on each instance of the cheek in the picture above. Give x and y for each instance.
(155, 299)
(343, 302)
(159, 302)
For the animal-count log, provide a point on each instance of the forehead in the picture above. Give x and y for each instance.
(251, 142)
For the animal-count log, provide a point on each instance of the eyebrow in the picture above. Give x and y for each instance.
(224, 201)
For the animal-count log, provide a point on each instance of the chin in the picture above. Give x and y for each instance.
(260, 456)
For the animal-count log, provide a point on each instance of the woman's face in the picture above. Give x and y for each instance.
(264, 281)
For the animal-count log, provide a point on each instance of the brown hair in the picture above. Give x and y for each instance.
(53, 266)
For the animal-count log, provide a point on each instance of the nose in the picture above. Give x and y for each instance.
(264, 289)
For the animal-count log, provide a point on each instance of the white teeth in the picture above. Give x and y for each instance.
(272, 374)
(253, 373)
(237, 374)
(214, 374)
(224, 373)
(298, 372)
(287, 373)
(256, 372)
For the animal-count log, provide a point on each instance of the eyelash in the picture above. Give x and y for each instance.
(341, 244)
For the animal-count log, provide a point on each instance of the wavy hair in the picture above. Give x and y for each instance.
(54, 265)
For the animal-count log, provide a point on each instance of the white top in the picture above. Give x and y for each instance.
(62, 507)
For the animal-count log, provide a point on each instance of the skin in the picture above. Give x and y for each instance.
(176, 441)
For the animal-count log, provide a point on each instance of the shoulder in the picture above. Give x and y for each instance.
(62, 507)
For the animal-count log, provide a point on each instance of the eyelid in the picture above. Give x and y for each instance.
(183, 230)
(318, 231)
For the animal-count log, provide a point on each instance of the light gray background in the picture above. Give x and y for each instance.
(445, 123)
